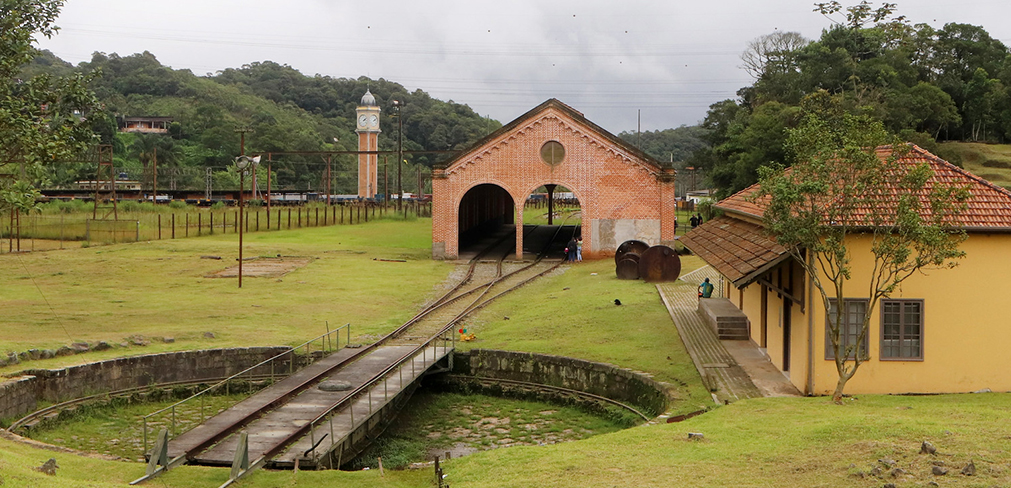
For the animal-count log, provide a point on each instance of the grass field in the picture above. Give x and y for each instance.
(158, 289)
(762, 443)
(990, 161)
(576, 316)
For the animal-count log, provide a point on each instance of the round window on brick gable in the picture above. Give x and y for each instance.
(552, 153)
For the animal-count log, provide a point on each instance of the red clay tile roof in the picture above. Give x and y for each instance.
(988, 206)
(739, 250)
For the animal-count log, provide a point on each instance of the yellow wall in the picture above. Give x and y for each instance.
(774, 336)
(966, 332)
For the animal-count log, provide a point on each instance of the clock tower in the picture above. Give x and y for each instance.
(367, 124)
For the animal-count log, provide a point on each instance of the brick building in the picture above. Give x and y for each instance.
(623, 193)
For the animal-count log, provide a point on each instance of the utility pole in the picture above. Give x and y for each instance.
(399, 105)
(154, 184)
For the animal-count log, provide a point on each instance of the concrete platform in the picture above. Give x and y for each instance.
(729, 322)
(733, 369)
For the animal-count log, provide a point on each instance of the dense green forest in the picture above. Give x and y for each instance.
(951, 83)
(669, 145)
(286, 110)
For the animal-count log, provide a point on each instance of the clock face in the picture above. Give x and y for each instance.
(363, 120)
(374, 121)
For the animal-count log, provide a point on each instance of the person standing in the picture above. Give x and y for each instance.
(579, 249)
(700, 219)
(570, 250)
(694, 221)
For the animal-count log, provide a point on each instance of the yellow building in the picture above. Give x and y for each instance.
(943, 330)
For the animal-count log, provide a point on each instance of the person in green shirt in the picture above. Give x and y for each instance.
(706, 289)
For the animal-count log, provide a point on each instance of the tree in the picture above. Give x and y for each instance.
(841, 190)
(43, 118)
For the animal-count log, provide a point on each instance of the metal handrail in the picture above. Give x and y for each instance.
(384, 376)
(227, 381)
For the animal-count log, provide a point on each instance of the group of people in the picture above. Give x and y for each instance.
(695, 221)
(574, 250)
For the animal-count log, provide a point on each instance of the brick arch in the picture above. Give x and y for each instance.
(463, 195)
(622, 192)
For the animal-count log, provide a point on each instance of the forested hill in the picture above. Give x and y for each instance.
(949, 83)
(288, 111)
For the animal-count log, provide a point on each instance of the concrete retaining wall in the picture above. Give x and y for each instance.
(21, 395)
(605, 380)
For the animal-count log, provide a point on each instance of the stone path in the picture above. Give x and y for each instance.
(720, 372)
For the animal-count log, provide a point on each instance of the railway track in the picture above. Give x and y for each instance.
(484, 281)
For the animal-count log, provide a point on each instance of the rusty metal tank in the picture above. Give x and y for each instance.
(659, 264)
(627, 268)
(634, 246)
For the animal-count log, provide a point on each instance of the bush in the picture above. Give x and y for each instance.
(218, 206)
(177, 204)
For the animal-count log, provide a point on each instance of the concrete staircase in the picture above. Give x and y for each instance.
(729, 322)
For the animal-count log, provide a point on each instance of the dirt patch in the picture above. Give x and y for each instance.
(264, 267)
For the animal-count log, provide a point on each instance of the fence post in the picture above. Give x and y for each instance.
(159, 227)
(173, 226)
(317, 217)
(289, 218)
(187, 233)
(257, 220)
(137, 235)
(211, 226)
(200, 224)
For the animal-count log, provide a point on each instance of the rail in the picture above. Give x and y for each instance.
(448, 344)
(448, 340)
(327, 345)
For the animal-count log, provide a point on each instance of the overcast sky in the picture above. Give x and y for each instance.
(670, 59)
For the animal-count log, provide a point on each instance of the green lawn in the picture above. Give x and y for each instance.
(575, 316)
(989, 161)
(763, 442)
(159, 289)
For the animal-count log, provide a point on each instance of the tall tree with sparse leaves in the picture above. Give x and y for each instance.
(841, 190)
(43, 119)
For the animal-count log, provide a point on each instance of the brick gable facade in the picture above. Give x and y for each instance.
(623, 193)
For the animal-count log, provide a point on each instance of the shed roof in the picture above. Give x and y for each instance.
(739, 250)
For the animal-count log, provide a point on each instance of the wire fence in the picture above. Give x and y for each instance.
(30, 232)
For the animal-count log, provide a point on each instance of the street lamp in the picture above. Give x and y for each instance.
(243, 164)
(397, 105)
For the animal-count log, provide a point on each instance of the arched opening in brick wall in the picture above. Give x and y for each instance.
(485, 210)
(557, 213)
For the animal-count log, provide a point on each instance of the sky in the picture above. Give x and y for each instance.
(625, 64)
